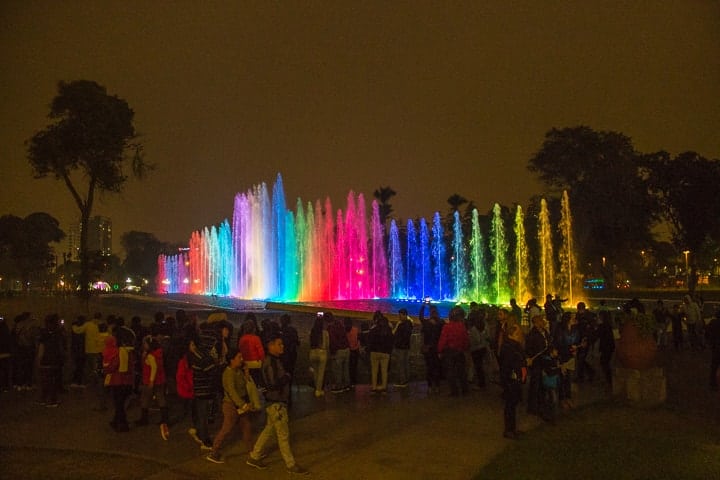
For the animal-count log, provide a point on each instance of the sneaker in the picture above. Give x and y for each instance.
(319, 393)
(193, 434)
(297, 470)
(164, 431)
(259, 464)
(338, 390)
(52, 404)
(214, 457)
(400, 385)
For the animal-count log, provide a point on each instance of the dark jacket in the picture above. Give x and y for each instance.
(512, 361)
(536, 343)
(403, 333)
(338, 336)
(204, 364)
(380, 339)
(277, 381)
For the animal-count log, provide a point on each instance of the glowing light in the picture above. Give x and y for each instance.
(266, 251)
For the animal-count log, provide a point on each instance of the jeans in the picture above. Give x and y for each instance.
(478, 357)
(379, 360)
(341, 368)
(277, 424)
(120, 393)
(456, 373)
(433, 368)
(203, 406)
(512, 394)
(534, 393)
(318, 362)
(401, 365)
(49, 383)
(353, 366)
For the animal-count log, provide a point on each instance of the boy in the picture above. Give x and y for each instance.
(277, 383)
(234, 405)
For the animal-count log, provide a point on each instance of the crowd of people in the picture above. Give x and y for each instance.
(212, 374)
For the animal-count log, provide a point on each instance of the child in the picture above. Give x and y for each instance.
(277, 384)
(184, 382)
(153, 379)
(551, 371)
(234, 406)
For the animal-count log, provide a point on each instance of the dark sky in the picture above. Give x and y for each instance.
(431, 98)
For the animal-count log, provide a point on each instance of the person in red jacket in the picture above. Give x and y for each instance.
(252, 350)
(153, 384)
(185, 390)
(453, 346)
(119, 380)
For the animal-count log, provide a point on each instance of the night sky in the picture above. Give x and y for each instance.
(429, 98)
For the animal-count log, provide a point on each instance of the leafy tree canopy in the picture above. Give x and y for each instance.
(612, 208)
(91, 145)
(687, 190)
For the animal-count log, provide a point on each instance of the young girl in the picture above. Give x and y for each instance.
(551, 374)
(153, 384)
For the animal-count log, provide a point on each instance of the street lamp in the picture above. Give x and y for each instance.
(687, 271)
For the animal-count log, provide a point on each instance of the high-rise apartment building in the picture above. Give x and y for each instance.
(99, 237)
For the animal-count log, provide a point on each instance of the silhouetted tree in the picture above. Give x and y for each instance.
(611, 206)
(142, 250)
(383, 196)
(687, 189)
(91, 145)
(25, 251)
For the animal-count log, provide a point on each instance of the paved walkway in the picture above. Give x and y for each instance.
(406, 434)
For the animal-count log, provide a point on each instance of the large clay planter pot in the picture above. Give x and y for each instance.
(634, 350)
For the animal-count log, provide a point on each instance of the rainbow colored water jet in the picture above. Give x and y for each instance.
(314, 253)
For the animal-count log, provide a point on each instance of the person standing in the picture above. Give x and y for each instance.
(606, 343)
(291, 341)
(119, 382)
(94, 344)
(77, 353)
(203, 359)
(512, 376)
(277, 383)
(380, 346)
(24, 335)
(251, 347)
(712, 335)
(153, 384)
(5, 356)
(353, 336)
(453, 346)
(536, 346)
(586, 326)
(235, 405)
(693, 317)
(319, 345)
(431, 328)
(339, 353)
(50, 359)
(401, 349)
(479, 343)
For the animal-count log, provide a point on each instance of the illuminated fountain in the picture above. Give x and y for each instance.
(315, 253)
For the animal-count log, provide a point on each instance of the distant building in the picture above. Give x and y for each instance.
(99, 237)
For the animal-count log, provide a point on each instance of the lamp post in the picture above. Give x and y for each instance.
(687, 271)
